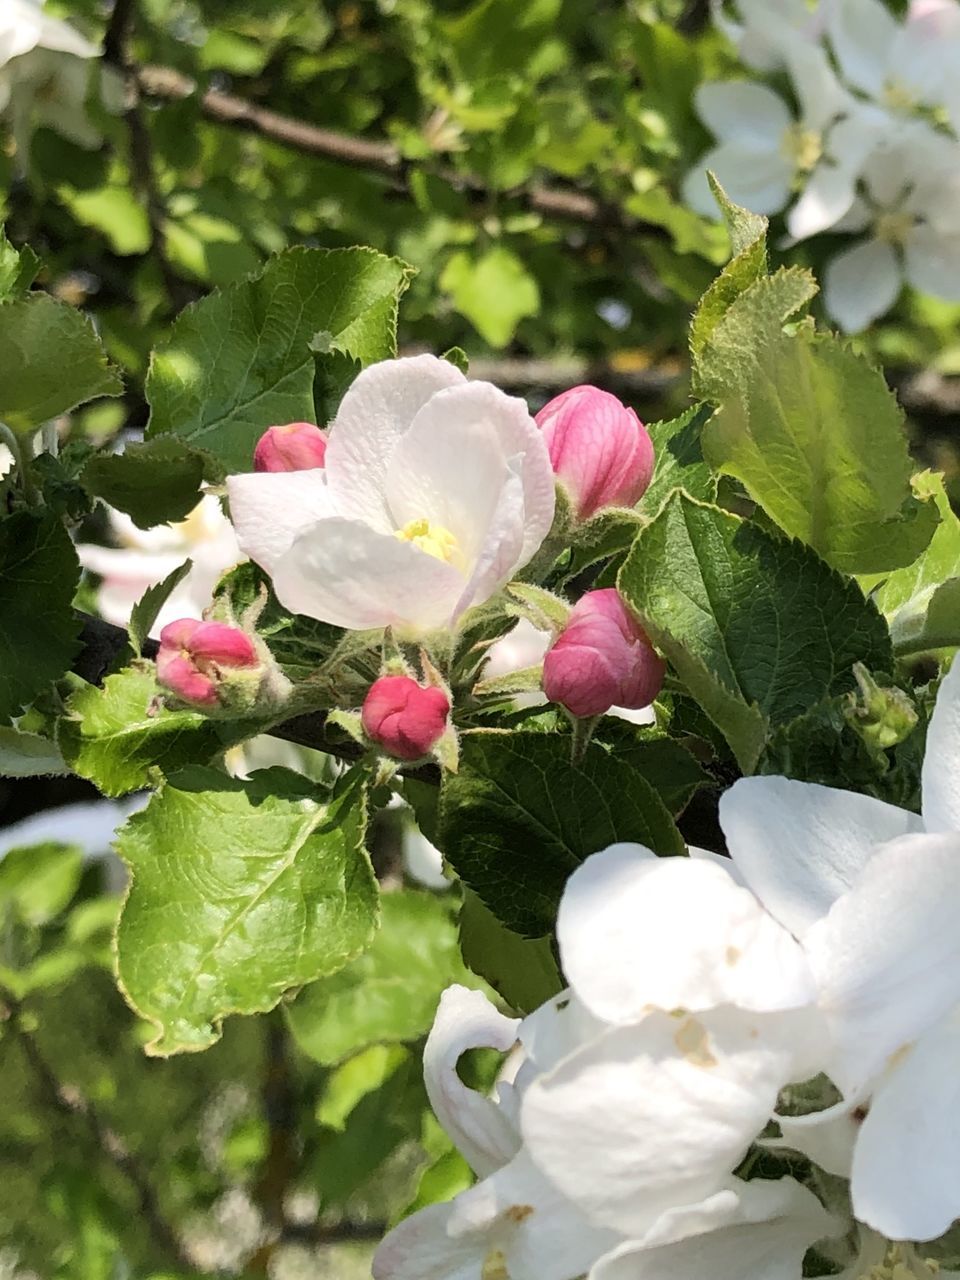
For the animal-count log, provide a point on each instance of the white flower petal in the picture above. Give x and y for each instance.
(374, 414)
(502, 553)
(482, 1132)
(862, 283)
(449, 469)
(673, 933)
(270, 509)
(941, 763)
(887, 955)
(515, 1219)
(759, 1229)
(932, 262)
(863, 34)
(645, 1117)
(827, 1137)
(743, 111)
(822, 97)
(906, 1167)
(345, 573)
(799, 845)
(520, 440)
(758, 179)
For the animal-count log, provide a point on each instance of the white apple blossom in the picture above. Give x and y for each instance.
(618, 1134)
(873, 894)
(910, 212)
(900, 65)
(763, 30)
(44, 74)
(145, 557)
(435, 491)
(765, 154)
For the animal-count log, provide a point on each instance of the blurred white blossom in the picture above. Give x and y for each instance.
(869, 146)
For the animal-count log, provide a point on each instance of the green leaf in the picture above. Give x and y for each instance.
(757, 628)
(749, 243)
(522, 970)
(39, 571)
(241, 891)
(679, 460)
(813, 433)
(28, 755)
(152, 483)
(495, 292)
(147, 609)
(668, 767)
(39, 881)
(17, 269)
(115, 734)
(392, 991)
(51, 360)
(242, 360)
(921, 602)
(518, 818)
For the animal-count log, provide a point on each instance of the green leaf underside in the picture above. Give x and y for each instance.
(813, 433)
(51, 360)
(922, 601)
(240, 891)
(115, 734)
(221, 396)
(28, 755)
(518, 818)
(757, 627)
(391, 992)
(38, 630)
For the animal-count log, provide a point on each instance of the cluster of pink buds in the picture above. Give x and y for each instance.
(600, 450)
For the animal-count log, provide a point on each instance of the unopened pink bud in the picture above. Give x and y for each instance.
(599, 448)
(195, 656)
(298, 446)
(602, 659)
(404, 718)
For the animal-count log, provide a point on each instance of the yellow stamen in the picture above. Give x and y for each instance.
(802, 147)
(495, 1266)
(893, 228)
(434, 539)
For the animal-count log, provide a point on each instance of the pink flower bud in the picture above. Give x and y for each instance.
(602, 659)
(600, 450)
(403, 717)
(195, 657)
(299, 446)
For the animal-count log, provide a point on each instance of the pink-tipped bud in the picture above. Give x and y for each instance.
(602, 659)
(298, 446)
(404, 718)
(196, 660)
(600, 450)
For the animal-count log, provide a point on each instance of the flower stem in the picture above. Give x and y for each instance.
(22, 450)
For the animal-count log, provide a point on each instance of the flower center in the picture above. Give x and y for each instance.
(495, 1266)
(434, 539)
(897, 97)
(893, 228)
(802, 147)
(902, 1262)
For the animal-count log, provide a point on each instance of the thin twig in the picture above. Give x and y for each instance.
(378, 156)
(117, 53)
(71, 1102)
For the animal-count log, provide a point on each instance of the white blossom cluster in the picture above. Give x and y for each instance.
(799, 999)
(868, 148)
